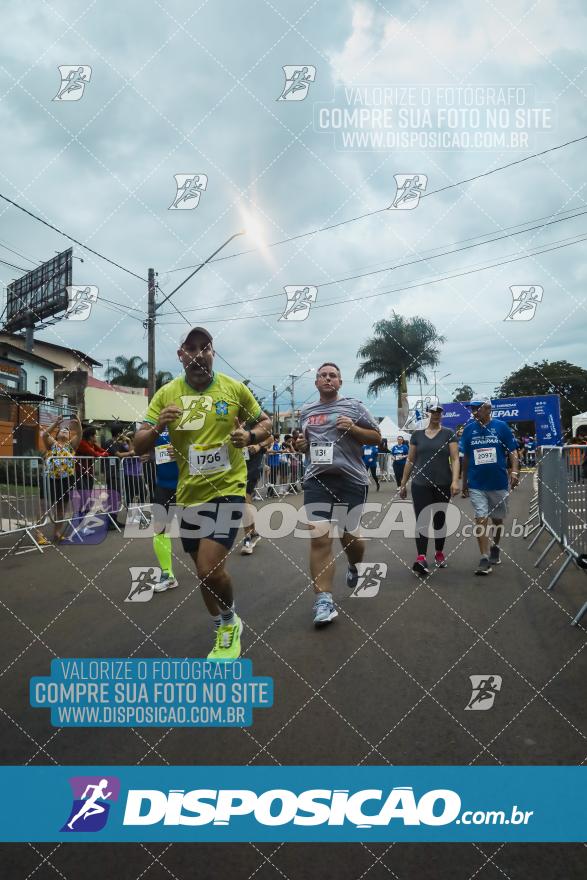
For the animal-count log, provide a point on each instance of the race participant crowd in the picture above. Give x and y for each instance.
(208, 441)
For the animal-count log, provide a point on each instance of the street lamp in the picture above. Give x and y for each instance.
(439, 380)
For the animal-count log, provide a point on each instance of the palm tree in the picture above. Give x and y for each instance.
(399, 350)
(128, 371)
(162, 377)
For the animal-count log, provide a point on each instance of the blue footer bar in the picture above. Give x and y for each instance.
(311, 803)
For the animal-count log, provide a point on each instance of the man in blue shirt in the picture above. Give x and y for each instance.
(488, 446)
(274, 462)
(370, 458)
(531, 452)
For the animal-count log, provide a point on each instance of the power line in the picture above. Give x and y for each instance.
(18, 254)
(123, 306)
(12, 266)
(472, 271)
(75, 240)
(234, 369)
(383, 210)
(120, 312)
(402, 265)
(379, 263)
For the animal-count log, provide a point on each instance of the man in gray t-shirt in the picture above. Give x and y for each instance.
(334, 430)
(319, 424)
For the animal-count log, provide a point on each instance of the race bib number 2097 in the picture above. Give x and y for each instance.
(485, 455)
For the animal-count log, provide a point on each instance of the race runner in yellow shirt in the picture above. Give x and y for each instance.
(210, 418)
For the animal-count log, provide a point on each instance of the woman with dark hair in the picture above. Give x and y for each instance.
(433, 463)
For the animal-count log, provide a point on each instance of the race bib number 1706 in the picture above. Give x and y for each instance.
(204, 461)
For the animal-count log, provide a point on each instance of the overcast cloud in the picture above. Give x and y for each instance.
(178, 87)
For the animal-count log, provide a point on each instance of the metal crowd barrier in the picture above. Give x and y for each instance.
(282, 474)
(138, 487)
(562, 507)
(94, 489)
(21, 506)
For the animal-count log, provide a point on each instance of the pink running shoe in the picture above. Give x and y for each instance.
(440, 559)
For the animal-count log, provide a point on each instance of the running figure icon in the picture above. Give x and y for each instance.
(409, 188)
(297, 82)
(485, 689)
(73, 82)
(90, 806)
(299, 302)
(525, 301)
(189, 189)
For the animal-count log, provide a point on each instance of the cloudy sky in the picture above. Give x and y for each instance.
(178, 87)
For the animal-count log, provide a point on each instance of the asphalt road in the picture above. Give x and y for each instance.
(385, 683)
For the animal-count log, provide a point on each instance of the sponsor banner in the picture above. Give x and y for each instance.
(544, 411)
(320, 804)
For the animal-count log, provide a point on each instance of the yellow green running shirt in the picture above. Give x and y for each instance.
(209, 465)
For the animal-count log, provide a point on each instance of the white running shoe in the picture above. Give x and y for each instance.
(249, 543)
(166, 582)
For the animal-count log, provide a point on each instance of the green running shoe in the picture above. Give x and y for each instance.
(228, 641)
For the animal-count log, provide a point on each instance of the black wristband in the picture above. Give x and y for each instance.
(252, 438)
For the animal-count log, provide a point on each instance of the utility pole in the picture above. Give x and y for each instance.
(29, 338)
(293, 378)
(151, 333)
(274, 410)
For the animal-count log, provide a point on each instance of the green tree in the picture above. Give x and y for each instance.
(259, 400)
(128, 371)
(550, 377)
(463, 393)
(399, 350)
(162, 377)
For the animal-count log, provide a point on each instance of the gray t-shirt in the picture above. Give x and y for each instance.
(318, 421)
(432, 463)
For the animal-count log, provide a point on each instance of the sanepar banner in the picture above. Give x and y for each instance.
(319, 804)
(543, 410)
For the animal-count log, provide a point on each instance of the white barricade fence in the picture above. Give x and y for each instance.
(138, 486)
(282, 473)
(81, 487)
(562, 507)
(21, 506)
(98, 485)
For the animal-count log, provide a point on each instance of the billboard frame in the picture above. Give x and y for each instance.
(40, 293)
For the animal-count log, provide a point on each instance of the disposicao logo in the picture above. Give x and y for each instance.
(91, 802)
(282, 807)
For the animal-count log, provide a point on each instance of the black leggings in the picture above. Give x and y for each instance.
(398, 470)
(422, 496)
